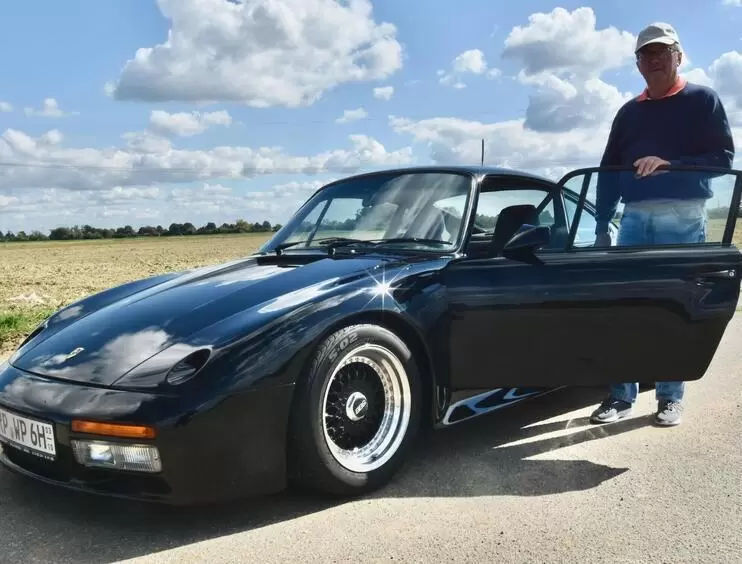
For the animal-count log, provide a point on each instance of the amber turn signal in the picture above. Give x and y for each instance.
(114, 429)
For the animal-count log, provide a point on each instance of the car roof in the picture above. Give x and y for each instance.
(464, 169)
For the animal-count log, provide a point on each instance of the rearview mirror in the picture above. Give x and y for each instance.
(527, 240)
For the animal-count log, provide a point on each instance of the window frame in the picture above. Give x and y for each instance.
(553, 193)
(584, 205)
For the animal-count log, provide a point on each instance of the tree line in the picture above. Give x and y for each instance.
(78, 232)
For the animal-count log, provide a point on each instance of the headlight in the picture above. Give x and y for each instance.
(173, 366)
(32, 335)
(38, 329)
(188, 367)
(118, 456)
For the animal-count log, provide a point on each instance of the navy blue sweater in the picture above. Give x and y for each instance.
(688, 128)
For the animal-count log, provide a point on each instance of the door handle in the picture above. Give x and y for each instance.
(718, 274)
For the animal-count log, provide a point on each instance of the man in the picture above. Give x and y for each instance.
(672, 122)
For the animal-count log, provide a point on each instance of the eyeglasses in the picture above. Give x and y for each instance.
(655, 52)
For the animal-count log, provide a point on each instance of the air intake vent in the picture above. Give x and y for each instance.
(188, 367)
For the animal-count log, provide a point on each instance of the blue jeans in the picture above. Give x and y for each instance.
(663, 222)
(660, 222)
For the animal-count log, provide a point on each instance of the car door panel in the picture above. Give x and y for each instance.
(654, 318)
(591, 317)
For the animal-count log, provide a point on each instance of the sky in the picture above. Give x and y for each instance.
(149, 112)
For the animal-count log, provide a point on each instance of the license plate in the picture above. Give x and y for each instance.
(29, 435)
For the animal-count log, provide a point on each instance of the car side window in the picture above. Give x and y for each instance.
(585, 236)
(670, 208)
(492, 203)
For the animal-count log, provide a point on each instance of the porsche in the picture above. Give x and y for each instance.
(391, 301)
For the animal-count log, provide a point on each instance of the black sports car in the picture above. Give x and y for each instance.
(391, 300)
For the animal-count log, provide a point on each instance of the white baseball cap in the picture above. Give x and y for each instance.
(658, 32)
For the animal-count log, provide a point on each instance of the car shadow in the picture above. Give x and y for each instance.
(470, 459)
(478, 458)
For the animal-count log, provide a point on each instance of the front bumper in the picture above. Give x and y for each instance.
(210, 451)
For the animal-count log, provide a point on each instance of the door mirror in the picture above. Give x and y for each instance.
(526, 241)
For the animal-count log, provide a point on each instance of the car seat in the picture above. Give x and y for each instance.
(509, 221)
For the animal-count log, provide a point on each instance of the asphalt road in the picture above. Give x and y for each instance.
(535, 484)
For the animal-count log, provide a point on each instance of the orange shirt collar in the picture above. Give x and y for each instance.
(677, 87)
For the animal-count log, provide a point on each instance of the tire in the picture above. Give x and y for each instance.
(354, 364)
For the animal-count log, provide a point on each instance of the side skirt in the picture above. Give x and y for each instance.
(468, 404)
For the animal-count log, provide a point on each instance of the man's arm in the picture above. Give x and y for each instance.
(715, 135)
(608, 194)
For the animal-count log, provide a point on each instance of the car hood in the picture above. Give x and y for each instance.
(98, 343)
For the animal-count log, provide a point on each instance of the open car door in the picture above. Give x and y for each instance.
(651, 305)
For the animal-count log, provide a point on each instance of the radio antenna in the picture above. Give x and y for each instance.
(482, 163)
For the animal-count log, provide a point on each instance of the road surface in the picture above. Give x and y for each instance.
(535, 484)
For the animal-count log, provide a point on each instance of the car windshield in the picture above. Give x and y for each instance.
(420, 210)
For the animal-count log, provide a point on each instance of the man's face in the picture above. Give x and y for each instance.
(658, 63)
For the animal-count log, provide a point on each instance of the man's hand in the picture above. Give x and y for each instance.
(648, 165)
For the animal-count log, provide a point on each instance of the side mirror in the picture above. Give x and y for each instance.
(527, 240)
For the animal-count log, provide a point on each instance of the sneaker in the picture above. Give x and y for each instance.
(611, 410)
(669, 413)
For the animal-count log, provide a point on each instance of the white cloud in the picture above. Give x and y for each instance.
(281, 53)
(5, 107)
(294, 188)
(6, 201)
(50, 108)
(352, 115)
(274, 203)
(206, 195)
(124, 194)
(561, 105)
(384, 92)
(563, 42)
(51, 137)
(563, 55)
(148, 160)
(152, 205)
(725, 76)
(48, 208)
(472, 61)
(55, 185)
(449, 79)
(146, 142)
(698, 76)
(507, 143)
(147, 178)
(566, 123)
(185, 124)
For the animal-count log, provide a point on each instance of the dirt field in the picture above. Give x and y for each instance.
(38, 278)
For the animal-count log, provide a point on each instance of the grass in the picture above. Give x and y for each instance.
(15, 325)
(40, 277)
